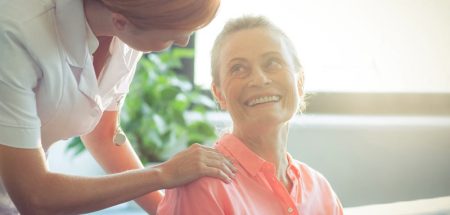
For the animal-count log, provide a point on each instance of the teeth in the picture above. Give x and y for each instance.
(264, 99)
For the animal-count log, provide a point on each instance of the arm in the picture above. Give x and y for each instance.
(35, 190)
(183, 167)
(116, 159)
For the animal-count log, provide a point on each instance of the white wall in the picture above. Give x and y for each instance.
(377, 159)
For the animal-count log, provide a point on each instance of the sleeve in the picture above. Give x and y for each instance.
(129, 59)
(319, 189)
(330, 199)
(19, 75)
(197, 198)
(339, 210)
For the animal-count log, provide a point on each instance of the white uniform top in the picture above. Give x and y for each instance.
(48, 87)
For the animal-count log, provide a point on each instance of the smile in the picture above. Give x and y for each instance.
(264, 99)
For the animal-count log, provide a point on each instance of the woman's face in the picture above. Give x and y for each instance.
(147, 40)
(258, 83)
(154, 39)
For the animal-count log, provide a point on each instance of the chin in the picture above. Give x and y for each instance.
(271, 119)
(156, 49)
(148, 50)
(159, 48)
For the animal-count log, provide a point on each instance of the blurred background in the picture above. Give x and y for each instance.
(377, 122)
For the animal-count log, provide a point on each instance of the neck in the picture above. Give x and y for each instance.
(98, 17)
(269, 143)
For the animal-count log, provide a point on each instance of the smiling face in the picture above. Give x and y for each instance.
(257, 82)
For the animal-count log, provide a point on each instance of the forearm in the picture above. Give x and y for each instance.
(62, 194)
(115, 159)
(35, 190)
(150, 201)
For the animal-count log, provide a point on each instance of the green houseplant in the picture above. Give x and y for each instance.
(163, 112)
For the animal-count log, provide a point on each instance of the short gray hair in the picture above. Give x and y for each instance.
(244, 23)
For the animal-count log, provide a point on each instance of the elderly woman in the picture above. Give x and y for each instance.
(258, 79)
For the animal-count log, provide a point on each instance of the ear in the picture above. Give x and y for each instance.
(300, 81)
(218, 96)
(119, 21)
(301, 92)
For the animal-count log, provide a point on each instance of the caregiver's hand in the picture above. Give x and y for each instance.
(195, 162)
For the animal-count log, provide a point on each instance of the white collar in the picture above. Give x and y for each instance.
(76, 35)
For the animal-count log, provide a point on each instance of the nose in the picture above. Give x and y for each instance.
(182, 42)
(259, 78)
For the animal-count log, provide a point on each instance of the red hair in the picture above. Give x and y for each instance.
(166, 14)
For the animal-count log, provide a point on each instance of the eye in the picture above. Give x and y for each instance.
(238, 70)
(274, 64)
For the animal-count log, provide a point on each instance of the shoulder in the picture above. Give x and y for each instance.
(204, 189)
(310, 176)
(22, 11)
(206, 186)
(23, 21)
(307, 170)
(317, 187)
(203, 196)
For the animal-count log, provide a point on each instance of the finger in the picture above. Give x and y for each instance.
(222, 159)
(222, 166)
(230, 163)
(214, 154)
(206, 148)
(217, 173)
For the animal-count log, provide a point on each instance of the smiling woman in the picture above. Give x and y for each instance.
(257, 78)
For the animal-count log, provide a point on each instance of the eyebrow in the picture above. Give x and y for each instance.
(265, 55)
(235, 59)
(271, 53)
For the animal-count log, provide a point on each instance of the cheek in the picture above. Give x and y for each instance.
(139, 45)
(292, 90)
(148, 44)
(232, 95)
(160, 46)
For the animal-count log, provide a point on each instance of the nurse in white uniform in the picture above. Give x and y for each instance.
(65, 67)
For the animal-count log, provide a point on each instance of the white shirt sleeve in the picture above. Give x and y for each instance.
(19, 76)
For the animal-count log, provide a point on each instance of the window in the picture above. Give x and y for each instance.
(353, 46)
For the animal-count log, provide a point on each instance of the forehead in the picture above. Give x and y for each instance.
(251, 43)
